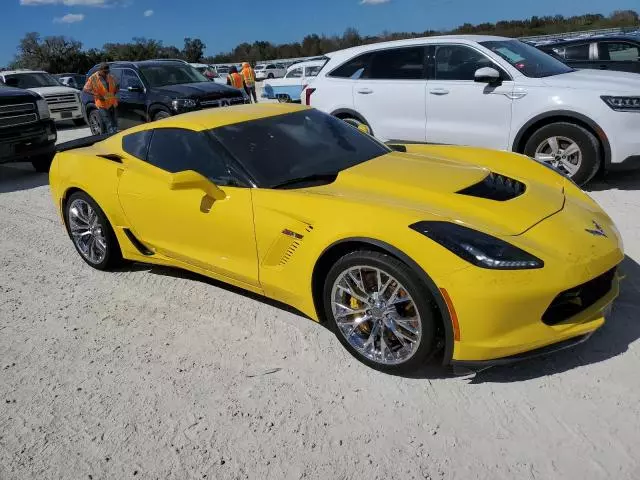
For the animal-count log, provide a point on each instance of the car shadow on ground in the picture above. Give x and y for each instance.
(615, 181)
(20, 176)
(614, 338)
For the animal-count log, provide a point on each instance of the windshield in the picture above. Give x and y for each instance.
(171, 74)
(530, 61)
(31, 80)
(276, 150)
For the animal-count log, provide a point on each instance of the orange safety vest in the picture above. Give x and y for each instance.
(236, 80)
(96, 87)
(249, 76)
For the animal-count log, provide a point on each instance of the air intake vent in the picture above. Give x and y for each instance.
(495, 187)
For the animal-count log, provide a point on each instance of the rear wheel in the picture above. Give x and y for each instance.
(359, 124)
(570, 148)
(380, 311)
(91, 232)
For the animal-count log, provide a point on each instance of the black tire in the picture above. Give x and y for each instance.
(270, 76)
(42, 164)
(79, 122)
(416, 289)
(113, 254)
(95, 122)
(160, 114)
(586, 141)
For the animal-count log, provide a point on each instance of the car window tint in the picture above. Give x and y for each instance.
(295, 73)
(137, 144)
(353, 69)
(577, 52)
(128, 79)
(312, 71)
(457, 62)
(116, 73)
(398, 64)
(619, 51)
(177, 149)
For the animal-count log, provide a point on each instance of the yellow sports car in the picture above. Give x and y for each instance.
(483, 257)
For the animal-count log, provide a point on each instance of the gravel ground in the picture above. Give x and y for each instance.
(158, 374)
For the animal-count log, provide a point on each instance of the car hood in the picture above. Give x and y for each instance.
(199, 90)
(11, 95)
(598, 80)
(61, 90)
(430, 184)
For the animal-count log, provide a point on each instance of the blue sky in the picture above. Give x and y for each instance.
(222, 24)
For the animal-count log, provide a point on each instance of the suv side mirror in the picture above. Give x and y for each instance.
(135, 87)
(191, 180)
(487, 75)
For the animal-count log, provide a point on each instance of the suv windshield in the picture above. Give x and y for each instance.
(278, 150)
(160, 75)
(529, 60)
(31, 80)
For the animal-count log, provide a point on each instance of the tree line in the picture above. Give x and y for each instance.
(59, 54)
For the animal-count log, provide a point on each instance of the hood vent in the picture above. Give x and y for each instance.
(495, 187)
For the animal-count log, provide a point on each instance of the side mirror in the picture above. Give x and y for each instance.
(487, 75)
(190, 180)
(364, 129)
(136, 87)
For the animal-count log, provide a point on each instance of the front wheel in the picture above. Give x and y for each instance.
(568, 147)
(95, 123)
(161, 115)
(380, 311)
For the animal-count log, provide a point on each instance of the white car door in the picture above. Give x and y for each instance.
(461, 111)
(390, 94)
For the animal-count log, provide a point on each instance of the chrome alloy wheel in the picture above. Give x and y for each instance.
(376, 315)
(562, 153)
(87, 232)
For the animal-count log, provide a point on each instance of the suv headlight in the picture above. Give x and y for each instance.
(183, 103)
(478, 248)
(622, 104)
(43, 109)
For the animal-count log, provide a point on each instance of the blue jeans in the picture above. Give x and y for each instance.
(109, 120)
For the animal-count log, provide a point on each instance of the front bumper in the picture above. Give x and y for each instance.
(26, 142)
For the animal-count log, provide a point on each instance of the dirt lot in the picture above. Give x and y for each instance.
(156, 374)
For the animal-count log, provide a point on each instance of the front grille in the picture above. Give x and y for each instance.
(53, 100)
(577, 299)
(495, 187)
(25, 133)
(222, 102)
(19, 114)
(63, 109)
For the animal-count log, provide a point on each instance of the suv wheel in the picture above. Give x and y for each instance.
(95, 122)
(270, 75)
(380, 311)
(570, 148)
(160, 115)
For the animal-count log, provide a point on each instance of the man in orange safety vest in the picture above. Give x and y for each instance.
(104, 88)
(234, 79)
(249, 77)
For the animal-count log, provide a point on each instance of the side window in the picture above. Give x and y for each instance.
(577, 52)
(129, 79)
(354, 68)
(295, 73)
(618, 51)
(312, 71)
(398, 64)
(457, 62)
(137, 144)
(177, 149)
(117, 74)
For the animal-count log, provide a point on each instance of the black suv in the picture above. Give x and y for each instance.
(155, 89)
(603, 52)
(27, 133)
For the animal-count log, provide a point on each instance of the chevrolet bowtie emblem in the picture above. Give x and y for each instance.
(597, 230)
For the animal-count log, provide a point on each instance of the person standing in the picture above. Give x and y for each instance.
(249, 77)
(104, 88)
(234, 79)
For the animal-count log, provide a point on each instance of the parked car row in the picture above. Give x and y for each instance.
(491, 92)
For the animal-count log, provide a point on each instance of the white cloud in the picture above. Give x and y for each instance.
(68, 3)
(69, 18)
(148, 13)
(373, 2)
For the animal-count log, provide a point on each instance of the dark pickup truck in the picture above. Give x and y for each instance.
(27, 133)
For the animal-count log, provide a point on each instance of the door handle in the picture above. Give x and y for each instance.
(439, 91)
(365, 91)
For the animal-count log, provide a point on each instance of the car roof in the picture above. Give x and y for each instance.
(220, 117)
(310, 63)
(13, 72)
(589, 39)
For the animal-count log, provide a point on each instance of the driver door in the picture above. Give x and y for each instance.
(132, 108)
(461, 111)
(188, 225)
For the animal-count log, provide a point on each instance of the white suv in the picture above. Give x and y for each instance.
(490, 92)
(64, 102)
(269, 70)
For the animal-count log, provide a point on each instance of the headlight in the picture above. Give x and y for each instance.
(43, 109)
(183, 103)
(623, 104)
(478, 248)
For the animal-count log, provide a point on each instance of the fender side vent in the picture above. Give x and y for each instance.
(289, 253)
(112, 157)
(495, 187)
(137, 243)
